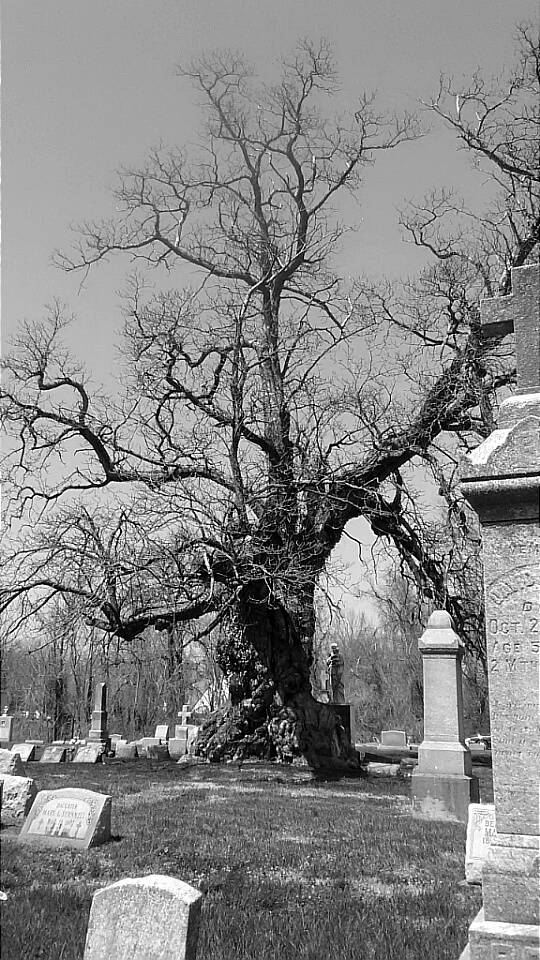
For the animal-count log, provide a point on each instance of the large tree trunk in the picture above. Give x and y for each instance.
(273, 714)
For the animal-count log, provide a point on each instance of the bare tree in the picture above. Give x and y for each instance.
(268, 401)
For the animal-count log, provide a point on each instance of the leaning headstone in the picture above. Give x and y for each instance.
(442, 783)
(53, 754)
(145, 918)
(480, 833)
(126, 751)
(6, 728)
(98, 731)
(11, 763)
(393, 738)
(18, 795)
(26, 751)
(68, 818)
(162, 731)
(501, 480)
(89, 753)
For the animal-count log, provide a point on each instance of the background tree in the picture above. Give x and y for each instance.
(269, 401)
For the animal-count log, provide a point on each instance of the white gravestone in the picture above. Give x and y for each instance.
(480, 833)
(89, 753)
(393, 738)
(53, 754)
(68, 818)
(146, 918)
(162, 731)
(18, 795)
(26, 751)
(6, 728)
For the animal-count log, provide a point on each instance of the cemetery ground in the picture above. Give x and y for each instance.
(291, 867)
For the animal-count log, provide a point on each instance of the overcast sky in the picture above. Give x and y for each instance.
(90, 84)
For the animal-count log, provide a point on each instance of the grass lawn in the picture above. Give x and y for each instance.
(291, 868)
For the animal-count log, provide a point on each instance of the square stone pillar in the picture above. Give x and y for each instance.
(98, 731)
(443, 782)
(501, 480)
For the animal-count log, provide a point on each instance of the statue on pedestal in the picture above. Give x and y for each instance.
(334, 670)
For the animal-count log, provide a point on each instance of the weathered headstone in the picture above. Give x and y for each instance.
(157, 751)
(68, 818)
(393, 738)
(98, 731)
(144, 743)
(18, 795)
(6, 728)
(501, 480)
(53, 754)
(146, 918)
(11, 763)
(26, 751)
(126, 751)
(178, 747)
(443, 782)
(162, 731)
(89, 753)
(480, 833)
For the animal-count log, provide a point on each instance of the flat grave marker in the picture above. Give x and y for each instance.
(54, 754)
(89, 753)
(26, 751)
(68, 818)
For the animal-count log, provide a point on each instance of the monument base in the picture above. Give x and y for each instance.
(343, 712)
(436, 795)
(489, 939)
(510, 880)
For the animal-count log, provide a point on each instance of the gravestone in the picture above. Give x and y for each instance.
(501, 480)
(162, 731)
(393, 738)
(442, 783)
(126, 751)
(53, 754)
(144, 743)
(98, 730)
(157, 751)
(26, 751)
(68, 818)
(480, 833)
(145, 918)
(178, 747)
(6, 728)
(184, 714)
(11, 763)
(89, 753)
(18, 795)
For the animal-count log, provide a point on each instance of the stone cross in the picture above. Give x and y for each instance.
(185, 714)
(501, 480)
(519, 313)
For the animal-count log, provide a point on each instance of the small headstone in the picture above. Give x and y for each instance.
(69, 817)
(126, 751)
(157, 751)
(162, 731)
(6, 728)
(90, 753)
(18, 795)
(146, 742)
(145, 918)
(178, 747)
(393, 738)
(11, 763)
(26, 751)
(480, 833)
(53, 754)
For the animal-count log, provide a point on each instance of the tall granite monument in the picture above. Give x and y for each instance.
(98, 731)
(501, 480)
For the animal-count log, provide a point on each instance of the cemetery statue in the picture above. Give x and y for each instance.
(334, 669)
